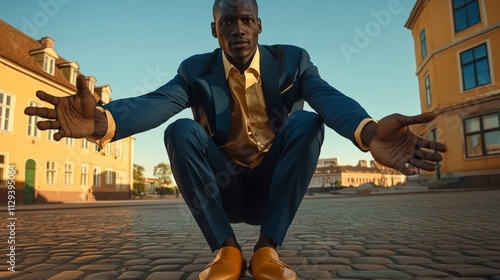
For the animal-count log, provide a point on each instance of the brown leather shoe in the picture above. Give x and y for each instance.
(229, 264)
(266, 265)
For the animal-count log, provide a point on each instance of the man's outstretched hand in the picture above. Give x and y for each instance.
(73, 115)
(396, 146)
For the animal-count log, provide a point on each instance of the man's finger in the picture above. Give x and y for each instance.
(432, 145)
(42, 95)
(422, 118)
(44, 125)
(41, 112)
(422, 164)
(59, 135)
(81, 86)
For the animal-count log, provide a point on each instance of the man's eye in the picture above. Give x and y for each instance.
(247, 20)
(226, 22)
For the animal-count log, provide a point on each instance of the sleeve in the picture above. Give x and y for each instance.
(138, 114)
(339, 112)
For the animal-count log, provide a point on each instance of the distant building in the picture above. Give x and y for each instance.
(353, 176)
(150, 185)
(46, 170)
(457, 50)
(328, 162)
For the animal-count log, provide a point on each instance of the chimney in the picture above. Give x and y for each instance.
(47, 42)
(362, 163)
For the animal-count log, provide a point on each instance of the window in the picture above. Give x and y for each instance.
(48, 64)
(97, 176)
(70, 141)
(96, 148)
(84, 175)
(433, 134)
(423, 44)
(125, 151)
(33, 131)
(51, 172)
(69, 174)
(108, 177)
(6, 107)
(72, 76)
(475, 68)
(118, 149)
(108, 149)
(482, 135)
(51, 133)
(3, 169)
(85, 144)
(428, 94)
(119, 179)
(466, 13)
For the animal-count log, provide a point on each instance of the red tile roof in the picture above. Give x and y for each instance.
(15, 46)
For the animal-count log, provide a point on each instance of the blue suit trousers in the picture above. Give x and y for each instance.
(219, 192)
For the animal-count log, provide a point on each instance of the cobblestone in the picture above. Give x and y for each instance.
(427, 236)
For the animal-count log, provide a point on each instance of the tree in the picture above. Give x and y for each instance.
(163, 173)
(138, 186)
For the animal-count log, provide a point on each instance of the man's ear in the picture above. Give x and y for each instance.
(214, 32)
(259, 22)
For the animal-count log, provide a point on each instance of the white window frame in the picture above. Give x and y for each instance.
(70, 141)
(108, 149)
(72, 76)
(118, 149)
(84, 175)
(69, 173)
(33, 130)
(50, 135)
(7, 119)
(49, 64)
(428, 90)
(4, 166)
(85, 144)
(108, 176)
(96, 177)
(125, 151)
(51, 172)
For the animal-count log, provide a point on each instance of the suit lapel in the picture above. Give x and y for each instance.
(221, 98)
(269, 68)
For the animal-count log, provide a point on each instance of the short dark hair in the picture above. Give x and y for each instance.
(216, 3)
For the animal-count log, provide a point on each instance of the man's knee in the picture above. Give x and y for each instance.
(181, 131)
(307, 121)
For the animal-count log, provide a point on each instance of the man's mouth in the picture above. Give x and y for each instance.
(239, 43)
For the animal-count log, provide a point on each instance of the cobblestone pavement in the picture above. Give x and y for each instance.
(452, 235)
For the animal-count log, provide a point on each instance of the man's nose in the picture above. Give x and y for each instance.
(239, 29)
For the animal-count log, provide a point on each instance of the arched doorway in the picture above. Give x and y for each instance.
(29, 181)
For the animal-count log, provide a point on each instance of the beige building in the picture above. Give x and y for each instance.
(46, 170)
(457, 50)
(353, 176)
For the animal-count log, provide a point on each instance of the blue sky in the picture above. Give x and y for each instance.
(361, 47)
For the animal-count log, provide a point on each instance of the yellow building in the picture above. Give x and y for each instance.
(46, 170)
(331, 175)
(457, 49)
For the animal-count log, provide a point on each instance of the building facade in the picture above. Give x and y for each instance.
(334, 175)
(47, 170)
(457, 50)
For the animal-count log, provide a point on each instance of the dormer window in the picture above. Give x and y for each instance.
(46, 56)
(48, 64)
(70, 71)
(72, 76)
(91, 83)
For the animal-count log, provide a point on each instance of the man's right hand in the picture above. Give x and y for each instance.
(73, 115)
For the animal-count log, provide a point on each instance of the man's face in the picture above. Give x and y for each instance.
(237, 28)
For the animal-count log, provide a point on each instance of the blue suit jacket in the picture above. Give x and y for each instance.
(288, 79)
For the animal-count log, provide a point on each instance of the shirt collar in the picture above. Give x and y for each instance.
(254, 65)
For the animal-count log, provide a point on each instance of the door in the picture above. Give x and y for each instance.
(29, 182)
